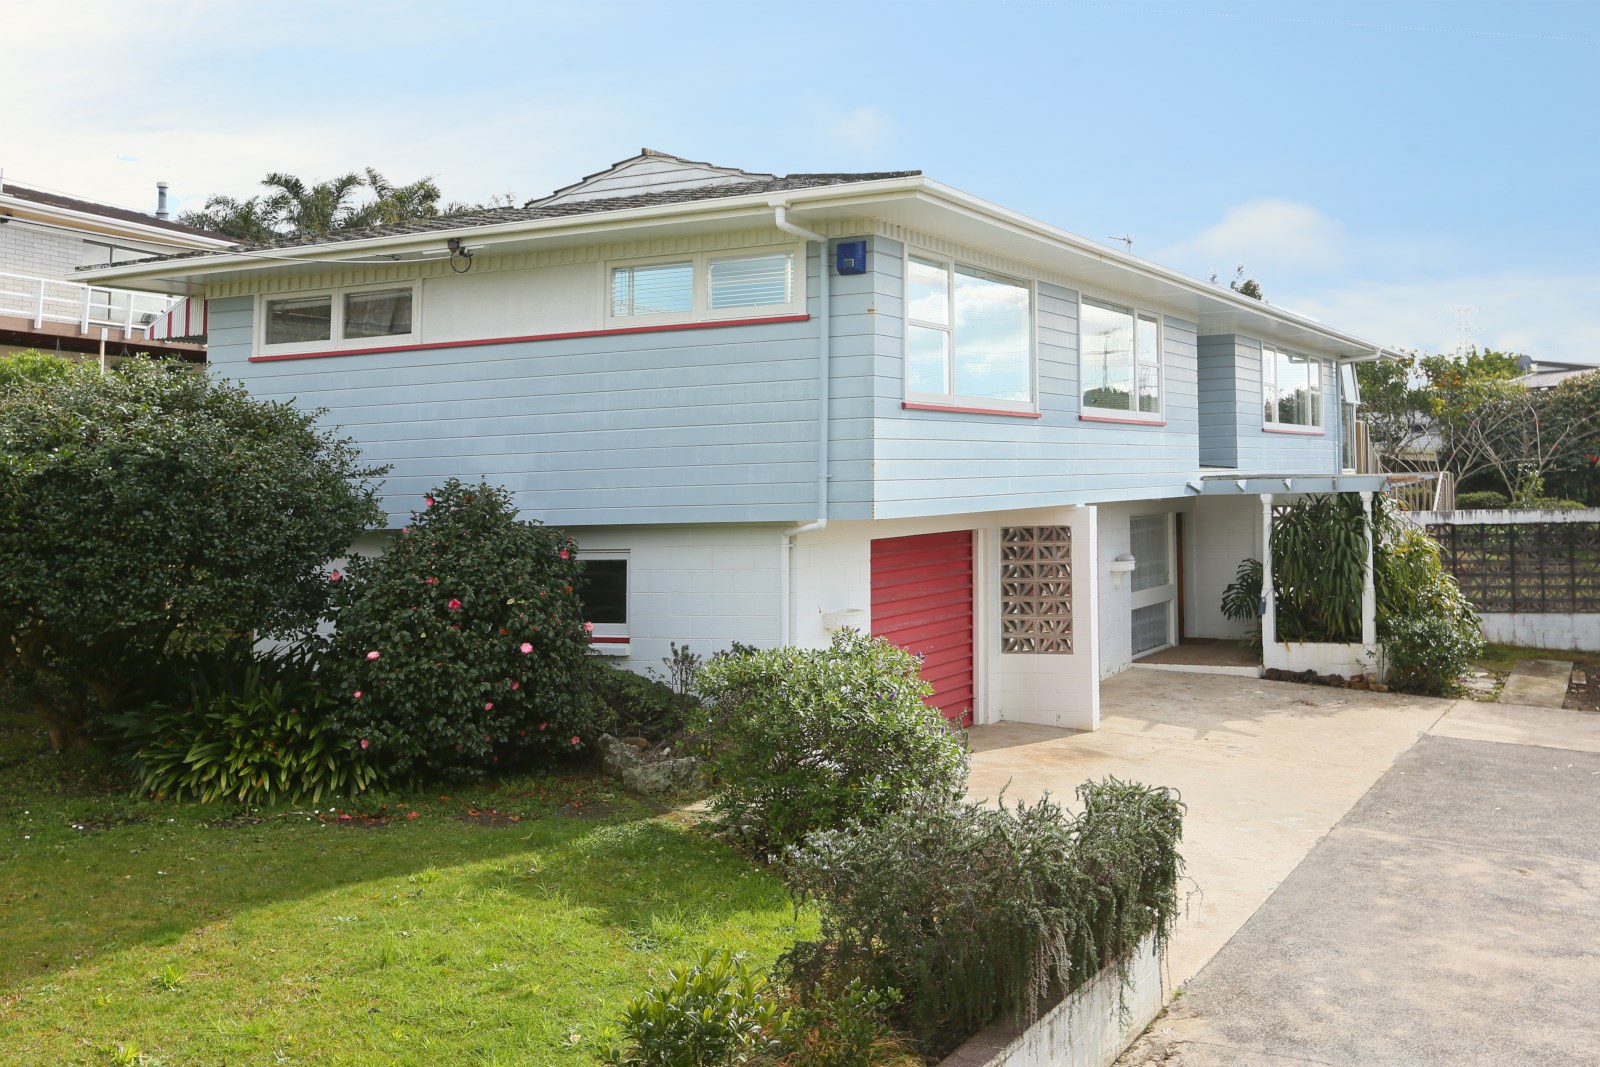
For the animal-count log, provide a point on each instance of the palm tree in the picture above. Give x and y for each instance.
(294, 210)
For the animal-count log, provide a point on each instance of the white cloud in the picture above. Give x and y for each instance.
(1544, 315)
(1269, 237)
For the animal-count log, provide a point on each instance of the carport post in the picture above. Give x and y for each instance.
(1269, 606)
(1369, 589)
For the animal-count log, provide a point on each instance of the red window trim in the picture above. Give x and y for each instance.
(609, 640)
(613, 332)
(909, 405)
(1122, 422)
(1307, 432)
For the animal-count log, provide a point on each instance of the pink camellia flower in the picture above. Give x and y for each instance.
(454, 605)
(588, 627)
(526, 648)
(543, 725)
(431, 581)
(357, 695)
(428, 500)
(335, 576)
(488, 706)
(515, 686)
(374, 654)
(363, 742)
(574, 740)
(565, 554)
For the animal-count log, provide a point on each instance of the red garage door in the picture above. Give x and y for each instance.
(922, 602)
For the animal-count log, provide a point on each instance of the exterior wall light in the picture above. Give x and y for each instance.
(1123, 564)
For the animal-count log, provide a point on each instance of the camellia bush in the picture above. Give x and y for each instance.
(461, 648)
(149, 510)
(808, 739)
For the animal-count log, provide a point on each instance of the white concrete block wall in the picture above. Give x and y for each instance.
(833, 572)
(704, 587)
(36, 252)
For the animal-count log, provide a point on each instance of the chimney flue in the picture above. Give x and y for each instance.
(161, 201)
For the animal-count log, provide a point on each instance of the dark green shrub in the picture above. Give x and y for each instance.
(253, 734)
(1429, 630)
(849, 1028)
(1319, 562)
(977, 913)
(1241, 602)
(1555, 503)
(714, 1013)
(147, 504)
(33, 365)
(462, 646)
(631, 705)
(802, 739)
(1484, 500)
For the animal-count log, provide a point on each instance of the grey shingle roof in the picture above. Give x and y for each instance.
(533, 211)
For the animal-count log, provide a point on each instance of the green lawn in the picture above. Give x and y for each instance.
(147, 933)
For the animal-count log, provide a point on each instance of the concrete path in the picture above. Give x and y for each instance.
(1267, 768)
(1538, 683)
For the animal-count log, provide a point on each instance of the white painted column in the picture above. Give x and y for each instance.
(1369, 589)
(1269, 614)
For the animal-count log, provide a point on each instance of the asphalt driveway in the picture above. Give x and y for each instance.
(1378, 880)
(1451, 918)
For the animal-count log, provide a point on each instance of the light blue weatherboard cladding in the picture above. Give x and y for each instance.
(1218, 402)
(714, 425)
(934, 462)
(855, 366)
(1280, 453)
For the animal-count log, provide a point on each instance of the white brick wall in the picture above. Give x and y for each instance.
(37, 252)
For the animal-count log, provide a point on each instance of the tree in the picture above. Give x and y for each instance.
(149, 509)
(1396, 407)
(294, 209)
(1243, 286)
(1575, 471)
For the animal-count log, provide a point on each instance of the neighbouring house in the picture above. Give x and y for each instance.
(772, 406)
(1549, 373)
(46, 237)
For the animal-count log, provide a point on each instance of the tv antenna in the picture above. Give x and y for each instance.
(1126, 239)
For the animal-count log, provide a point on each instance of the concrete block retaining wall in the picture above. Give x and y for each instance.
(1090, 1028)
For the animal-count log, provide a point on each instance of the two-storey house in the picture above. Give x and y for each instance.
(46, 237)
(768, 407)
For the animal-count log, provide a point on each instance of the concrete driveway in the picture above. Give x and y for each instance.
(1378, 879)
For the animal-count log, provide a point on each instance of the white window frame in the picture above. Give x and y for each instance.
(337, 339)
(1132, 414)
(954, 399)
(1269, 384)
(617, 636)
(701, 309)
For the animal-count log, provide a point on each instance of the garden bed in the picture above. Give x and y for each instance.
(501, 924)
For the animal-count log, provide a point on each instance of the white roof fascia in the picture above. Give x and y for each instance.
(139, 230)
(1206, 291)
(837, 196)
(364, 252)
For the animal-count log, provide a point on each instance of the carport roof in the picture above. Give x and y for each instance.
(1257, 484)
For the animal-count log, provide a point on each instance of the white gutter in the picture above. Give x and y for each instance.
(780, 219)
(23, 209)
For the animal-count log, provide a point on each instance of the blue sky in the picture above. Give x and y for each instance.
(1376, 164)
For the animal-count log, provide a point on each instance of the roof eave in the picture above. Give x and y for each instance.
(130, 275)
(23, 208)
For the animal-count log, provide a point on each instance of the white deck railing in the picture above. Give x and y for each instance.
(52, 300)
